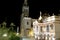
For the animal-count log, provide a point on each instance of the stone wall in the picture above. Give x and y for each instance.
(57, 28)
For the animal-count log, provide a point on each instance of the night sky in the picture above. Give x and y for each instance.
(11, 10)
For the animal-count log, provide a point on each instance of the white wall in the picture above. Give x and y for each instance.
(57, 30)
(57, 27)
(25, 20)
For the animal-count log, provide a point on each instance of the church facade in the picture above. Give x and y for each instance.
(27, 24)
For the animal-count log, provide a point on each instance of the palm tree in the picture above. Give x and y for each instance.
(12, 25)
(4, 24)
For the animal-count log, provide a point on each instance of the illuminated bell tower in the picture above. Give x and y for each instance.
(25, 20)
(25, 9)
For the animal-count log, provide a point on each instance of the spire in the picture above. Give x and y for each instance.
(40, 16)
(25, 2)
(25, 9)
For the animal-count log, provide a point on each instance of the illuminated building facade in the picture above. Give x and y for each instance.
(57, 27)
(25, 20)
(44, 30)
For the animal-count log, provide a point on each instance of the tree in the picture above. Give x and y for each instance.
(12, 25)
(4, 24)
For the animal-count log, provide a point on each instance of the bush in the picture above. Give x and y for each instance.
(14, 37)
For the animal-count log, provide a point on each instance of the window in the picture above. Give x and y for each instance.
(41, 28)
(27, 23)
(51, 26)
(47, 28)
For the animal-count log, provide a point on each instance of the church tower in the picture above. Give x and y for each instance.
(25, 20)
(25, 9)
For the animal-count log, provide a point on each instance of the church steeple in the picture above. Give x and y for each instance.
(25, 2)
(25, 9)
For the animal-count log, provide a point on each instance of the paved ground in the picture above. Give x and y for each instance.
(30, 38)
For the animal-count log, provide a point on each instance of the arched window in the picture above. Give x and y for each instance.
(41, 28)
(51, 26)
(47, 28)
(27, 23)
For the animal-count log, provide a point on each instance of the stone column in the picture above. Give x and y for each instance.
(49, 32)
(46, 37)
(38, 32)
(35, 31)
(53, 26)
